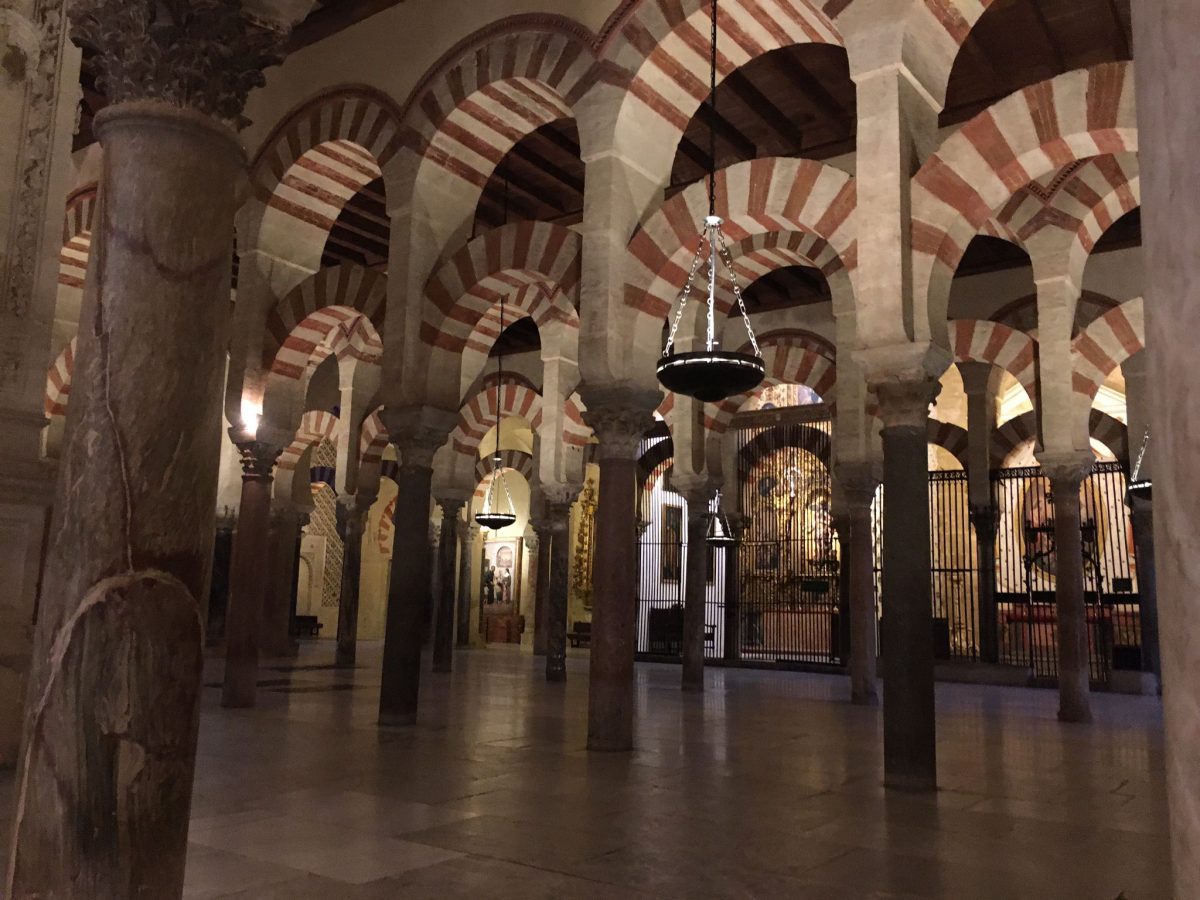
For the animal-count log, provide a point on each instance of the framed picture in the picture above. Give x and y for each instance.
(500, 575)
(672, 542)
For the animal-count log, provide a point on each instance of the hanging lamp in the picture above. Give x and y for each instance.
(1140, 488)
(493, 515)
(711, 375)
(720, 533)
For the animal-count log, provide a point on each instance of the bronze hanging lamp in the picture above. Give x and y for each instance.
(494, 515)
(720, 533)
(711, 375)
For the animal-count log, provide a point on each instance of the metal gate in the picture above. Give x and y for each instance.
(953, 568)
(662, 564)
(1025, 573)
(789, 598)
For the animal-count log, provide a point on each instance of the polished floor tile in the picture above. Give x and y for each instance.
(768, 785)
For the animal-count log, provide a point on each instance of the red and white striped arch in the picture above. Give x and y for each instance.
(306, 316)
(58, 381)
(791, 357)
(513, 397)
(77, 237)
(490, 91)
(512, 460)
(373, 439)
(315, 426)
(1106, 208)
(576, 432)
(978, 340)
(1030, 134)
(1106, 344)
(502, 263)
(950, 437)
(934, 34)
(321, 154)
(533, 300)
(756, 198)
(387, 528)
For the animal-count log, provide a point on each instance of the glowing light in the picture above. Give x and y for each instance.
(251, 414)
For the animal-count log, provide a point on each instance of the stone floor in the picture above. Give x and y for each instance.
(767, 786)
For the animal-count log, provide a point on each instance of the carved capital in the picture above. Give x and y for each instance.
(986, 521)
(467, 531)
(351, 511)
(858, 482)
(451, 507)
(531, 542)
(1066, 471)
(620, 416)
(697, 490)
(905, 404)
(258, 459)
(203, 55)
(418, 432)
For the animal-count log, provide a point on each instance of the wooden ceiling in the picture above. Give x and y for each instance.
(541, 178)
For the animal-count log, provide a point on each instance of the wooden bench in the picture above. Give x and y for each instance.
(306, 626)
(580, 635)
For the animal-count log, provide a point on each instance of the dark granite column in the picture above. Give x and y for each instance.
(981, 420)
(541, 529)
(275, 639)
(698, 496)
(909, 739)
(106, 767)
(556, 547)
(733, 590)
(859, 483)
(352, 514)
(467, 534)
(443, 636)
(248, 581)
(620, 417)
(1142, 513)
(417, 434)
(1066, 473)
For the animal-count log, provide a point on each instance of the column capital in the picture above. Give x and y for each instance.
(532, 542)
(905, 404)
(258, 459)
(697, 490)
(620, 415)
(1066, 468)
(205, 55)
(418, 432)
(351, 511)
(858, 481)
(467, 531)
(976, 377)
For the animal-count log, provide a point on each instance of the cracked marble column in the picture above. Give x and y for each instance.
(468, 534)
(1066, 473)
(352, 522)
(443, 635)
(698, 496)
(557, 550)
(909, 724)
(858, 484)
(620, 417)
(248, 575)
(105, 779)
(421, 431)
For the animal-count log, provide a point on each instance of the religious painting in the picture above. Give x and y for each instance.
(500, 573)
(672, 542)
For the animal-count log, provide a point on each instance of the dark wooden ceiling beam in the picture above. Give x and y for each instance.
(333, 16)
(572, 182)
(1119, 27)
(724, 131)
(766, 110)
(793, 68)
(1048, 36)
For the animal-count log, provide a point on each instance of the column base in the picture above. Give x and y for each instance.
(1075, 715)
(912, 784)
(556, 675)
(864, 698)
(603, 745)
(397, 720)
(693, 687)
(345, 661)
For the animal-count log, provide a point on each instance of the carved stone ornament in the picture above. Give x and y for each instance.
(905, 404)
(204, 55)
(620, 417)
(258, 459)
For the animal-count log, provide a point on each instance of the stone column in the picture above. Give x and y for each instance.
(698, 495)
(106, 771)
(417, 433)
(468, 532)
(541, 528)
(981, 418)
(443, 638)
(909, 739)
(1142, 513)
(1169, 132)
(559, 499)
(275, 638)
(733, 588)
(248, 581)
(352, 514)
(1066, 473)
(859, 484)
(619, 416)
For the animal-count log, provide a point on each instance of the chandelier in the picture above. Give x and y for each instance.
(495, 515)
(720, 533)
(711, 375)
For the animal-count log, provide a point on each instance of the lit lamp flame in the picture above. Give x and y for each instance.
(251, 414)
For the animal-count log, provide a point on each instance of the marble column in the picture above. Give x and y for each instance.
(106, 769)
(733, 588)
(248, 579)
(1066, 473)
(468, 533)
(275, 637)
(620, 417)
(417, 434)
(981, 419)
(352, 514)
(698, 496)
(1169, 132)
(559, 499)
(443, 637)
(1142, 513)
(859, 483)
(541, 528)
(909, 738)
